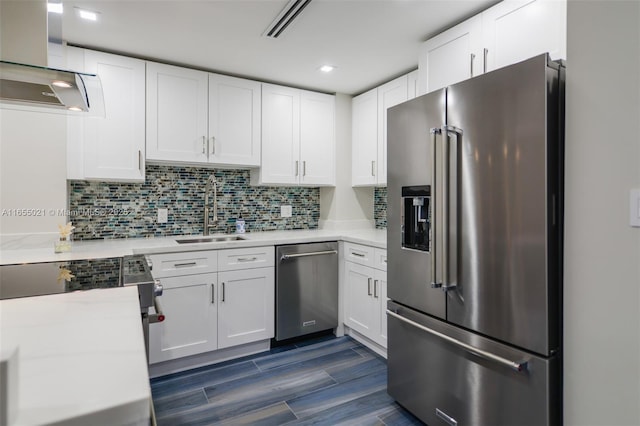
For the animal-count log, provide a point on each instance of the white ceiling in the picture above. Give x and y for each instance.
(369, 41)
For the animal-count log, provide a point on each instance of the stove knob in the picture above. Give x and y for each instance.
(157, 288)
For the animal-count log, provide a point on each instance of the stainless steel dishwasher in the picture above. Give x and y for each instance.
(306, 289)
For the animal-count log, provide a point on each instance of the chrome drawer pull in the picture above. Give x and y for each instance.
(357, 254)
(247, 259)
(183, 265)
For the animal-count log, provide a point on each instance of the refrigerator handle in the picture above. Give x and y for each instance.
(446, 198)
(432, 205)
(518, 366)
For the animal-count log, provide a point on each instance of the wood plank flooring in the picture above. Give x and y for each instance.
(323, 381)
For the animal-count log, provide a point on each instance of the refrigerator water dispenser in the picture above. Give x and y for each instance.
(415, 217)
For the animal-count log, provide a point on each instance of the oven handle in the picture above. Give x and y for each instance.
(159, 315)
(514, 365)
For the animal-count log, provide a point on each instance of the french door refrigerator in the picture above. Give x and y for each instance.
(474, 223)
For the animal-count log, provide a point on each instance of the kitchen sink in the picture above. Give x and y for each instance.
(211, 239)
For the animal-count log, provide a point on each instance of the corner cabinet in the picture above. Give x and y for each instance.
(365, 292)
(369, 130)
(298, 138)
(112, 147)
(201, 118)
(509, 32)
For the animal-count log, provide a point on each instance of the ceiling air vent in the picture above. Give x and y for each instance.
(284, 18)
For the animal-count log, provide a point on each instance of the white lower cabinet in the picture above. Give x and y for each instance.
(245, 306)
(365, 293)
(207, 310)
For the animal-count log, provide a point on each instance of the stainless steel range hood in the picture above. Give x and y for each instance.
(31, 39)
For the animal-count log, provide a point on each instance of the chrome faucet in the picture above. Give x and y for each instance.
(211, 184)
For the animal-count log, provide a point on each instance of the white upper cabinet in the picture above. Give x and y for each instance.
(317, 138)
(110, 148)
(389, 94)
(364, 138)
(176, 114)
(509, 32)
(412, 85)
(515, 30)
(451, 56)
(202, 118)
(298, 138)
(369, 131)
(234, 120)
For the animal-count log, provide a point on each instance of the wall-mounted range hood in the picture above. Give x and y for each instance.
(31, 43)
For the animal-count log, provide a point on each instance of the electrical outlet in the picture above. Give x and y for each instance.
(163, 215)
(285, 211)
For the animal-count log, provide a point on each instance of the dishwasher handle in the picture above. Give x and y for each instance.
(312, 253)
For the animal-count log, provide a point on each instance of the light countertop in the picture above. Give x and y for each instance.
(25, 251)
(81, 357)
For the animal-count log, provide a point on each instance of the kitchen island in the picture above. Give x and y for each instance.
(81, 358)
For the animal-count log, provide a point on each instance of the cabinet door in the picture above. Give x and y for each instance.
(389, 94)
(114, 146)
(380, 293)
(234, 121)
(280, 135)
(361, 308)
(245, 306)
(516, 30)
(451, 56)
(176, 114)
(364, 138)
(317, 139)
(190, 326)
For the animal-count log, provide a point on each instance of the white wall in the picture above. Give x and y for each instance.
(344, 207)
(602, 252)
(32, 170)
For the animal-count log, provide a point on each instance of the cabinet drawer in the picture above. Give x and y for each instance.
(357, 253)
(380, 259)
(176, 264)
(245, 258)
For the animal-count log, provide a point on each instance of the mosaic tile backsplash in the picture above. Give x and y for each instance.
(128, 210)
(380, 207)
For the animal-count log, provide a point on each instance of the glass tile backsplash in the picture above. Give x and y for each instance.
(128, 210)
(380, 207)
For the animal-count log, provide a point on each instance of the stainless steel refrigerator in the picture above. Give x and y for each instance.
(474, 223)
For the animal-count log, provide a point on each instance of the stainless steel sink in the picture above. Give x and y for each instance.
(211, 239)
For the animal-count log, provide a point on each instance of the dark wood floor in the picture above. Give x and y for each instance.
(324, 381)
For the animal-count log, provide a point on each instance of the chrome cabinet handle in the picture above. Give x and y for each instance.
(184, 265)
(486, 53)
(223, 292)
(304, 168)
(247, 259)
(355, 253)
(473, 57)
(514, 365)
(373, 167)
(432, 205)
(369, 286)
(140, 160)
(297, 168)
(375, 288)
(213, 292)
(213, 145)
(204, 147)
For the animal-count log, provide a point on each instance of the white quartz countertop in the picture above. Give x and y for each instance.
(25, 251)
(81, 357)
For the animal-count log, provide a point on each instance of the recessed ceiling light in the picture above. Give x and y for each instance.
(54, 8)
(87, 14)
(74, 108)
(59, 83)
(327, 68)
